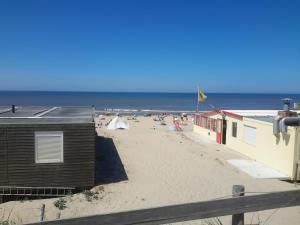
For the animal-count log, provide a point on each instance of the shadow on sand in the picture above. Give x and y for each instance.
(109, 167)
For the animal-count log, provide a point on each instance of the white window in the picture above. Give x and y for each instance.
(250, 135)
(49, 147)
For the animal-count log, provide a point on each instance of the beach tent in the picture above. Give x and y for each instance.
(118, 123)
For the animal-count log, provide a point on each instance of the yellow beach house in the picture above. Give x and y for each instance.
(270, 137)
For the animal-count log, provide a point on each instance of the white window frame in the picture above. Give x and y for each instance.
(246, 140)
(59, 134)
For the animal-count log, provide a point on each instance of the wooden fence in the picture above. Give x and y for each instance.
(236, 206)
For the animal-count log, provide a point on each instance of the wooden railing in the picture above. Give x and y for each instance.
(236, 206)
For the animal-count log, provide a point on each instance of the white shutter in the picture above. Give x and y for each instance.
(250, 135)
(49, 147)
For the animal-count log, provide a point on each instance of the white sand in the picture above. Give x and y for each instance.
(163, 168)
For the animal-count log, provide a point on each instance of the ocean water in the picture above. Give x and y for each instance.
(145, 101)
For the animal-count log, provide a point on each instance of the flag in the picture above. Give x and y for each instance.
(201, 96)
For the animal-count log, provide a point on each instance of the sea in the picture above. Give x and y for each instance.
(126, 101)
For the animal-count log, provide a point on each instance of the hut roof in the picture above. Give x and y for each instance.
(45, 115)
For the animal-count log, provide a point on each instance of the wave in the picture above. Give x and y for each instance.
(154, 111)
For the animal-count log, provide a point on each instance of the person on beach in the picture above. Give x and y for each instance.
(176, 124)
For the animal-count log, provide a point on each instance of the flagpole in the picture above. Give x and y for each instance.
(198, 100)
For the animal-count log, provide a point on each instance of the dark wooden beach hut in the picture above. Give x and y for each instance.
(46, 150)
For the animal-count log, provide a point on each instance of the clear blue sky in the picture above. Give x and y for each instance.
(226, 46)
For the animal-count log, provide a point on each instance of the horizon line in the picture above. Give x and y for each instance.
(149, 92)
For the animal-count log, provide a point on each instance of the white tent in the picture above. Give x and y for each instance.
(118, 123)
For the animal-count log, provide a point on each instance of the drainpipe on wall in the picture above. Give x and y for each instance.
(285, 118)
(276, 127)
(288, 121)
(292, 121)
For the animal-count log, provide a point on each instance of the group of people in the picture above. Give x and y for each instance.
(177, 120)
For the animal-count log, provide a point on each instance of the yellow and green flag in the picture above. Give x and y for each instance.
(201, 96)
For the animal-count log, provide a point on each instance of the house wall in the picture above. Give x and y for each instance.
(205, 132)
(297, 146)
(3, 158)
(297, 151)
(17, 156)
(237, 143)
(277, 152)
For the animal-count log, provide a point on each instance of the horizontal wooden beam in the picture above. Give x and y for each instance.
(190, 211)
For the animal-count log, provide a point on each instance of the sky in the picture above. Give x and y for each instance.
(150, 46)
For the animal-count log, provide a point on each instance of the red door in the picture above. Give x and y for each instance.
(219, 131)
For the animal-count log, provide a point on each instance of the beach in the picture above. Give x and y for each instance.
(155, 166)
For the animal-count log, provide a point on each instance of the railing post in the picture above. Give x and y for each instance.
(296, 172)
(42, 212)
(237, 191)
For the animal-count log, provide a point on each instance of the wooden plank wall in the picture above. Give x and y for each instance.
(3, 157)
(78, 169)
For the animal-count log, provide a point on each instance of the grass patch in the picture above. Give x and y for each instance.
(6, 222)
(90, 195)
(60, 204)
